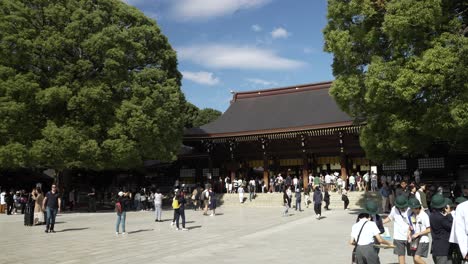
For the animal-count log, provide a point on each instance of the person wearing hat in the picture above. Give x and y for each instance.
(364, 233)
(399, 215)
(121, 207)
(420, 227)
(441, 224)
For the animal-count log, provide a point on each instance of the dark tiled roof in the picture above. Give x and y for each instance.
(276, 110)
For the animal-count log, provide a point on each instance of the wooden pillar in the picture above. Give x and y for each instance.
(305, 171)
(344, 166)
(266, 171)
(343, 159)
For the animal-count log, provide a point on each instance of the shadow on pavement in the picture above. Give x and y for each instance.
(139, 231)
(193, 227)
(73, 229)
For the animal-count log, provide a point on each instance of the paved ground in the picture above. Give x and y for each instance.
(235, 235)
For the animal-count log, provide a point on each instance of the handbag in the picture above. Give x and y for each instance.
(353, 256)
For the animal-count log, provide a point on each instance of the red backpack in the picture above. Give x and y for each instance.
(118, 207)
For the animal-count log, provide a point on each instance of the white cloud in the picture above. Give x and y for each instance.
(309, 50)
(261, 82)
(201, 77)
(220, 56)
(256, 28)
(205, 9)
(279, 33)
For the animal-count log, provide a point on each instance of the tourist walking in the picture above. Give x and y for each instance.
(2, 202)
(420, 228)
(298, 199)
(374, 182)
(158, 205)
(52, 205)
(9, 202)
(178, 204)
(307, 196)
(251, 189)
(204, 200)
(195, 197)
(317, 199)
(399, 215)
(71, 199)
(385, 193)
(352, 183)
(441, 225)
(421, 196)
(38, 198)
(121, 207)
(345, 199)
(240, 191)
(458, 234)
(92, 200)
(326, 198)
(286, 202)
(364, 233)
(212, 202)
(402, 190)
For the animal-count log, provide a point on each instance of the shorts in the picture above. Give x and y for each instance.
(400, 247)
(422, 250)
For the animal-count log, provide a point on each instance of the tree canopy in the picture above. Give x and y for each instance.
(401, 67)
(195, 117)
(86, 84)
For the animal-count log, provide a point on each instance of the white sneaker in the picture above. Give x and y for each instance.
(123, 233)
(184, 229)
(177, 229)
(172, 223)
(116, 233)
(212, 215)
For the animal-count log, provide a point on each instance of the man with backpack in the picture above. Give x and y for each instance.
(178, 204)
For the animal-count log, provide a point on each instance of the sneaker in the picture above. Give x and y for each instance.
(172, 223)
(177, 229)
(116, 233)
(212, 215)
(184, 229)
(123, 233)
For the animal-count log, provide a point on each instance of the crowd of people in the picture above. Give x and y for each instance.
(415, 215)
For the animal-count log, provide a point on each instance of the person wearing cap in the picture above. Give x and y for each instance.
(364, 233)
(399, 215)
(458, 201)
(420, 227)
(124, 203)
(441, 224)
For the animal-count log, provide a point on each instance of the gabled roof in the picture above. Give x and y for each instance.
(293, 108)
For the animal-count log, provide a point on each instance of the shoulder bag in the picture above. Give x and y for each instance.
(354, 250)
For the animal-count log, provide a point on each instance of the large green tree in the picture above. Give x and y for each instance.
(206, 116)
(195, 117)
(402, 68)
(86, 84)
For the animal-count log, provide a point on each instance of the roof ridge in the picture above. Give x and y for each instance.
(282, 90)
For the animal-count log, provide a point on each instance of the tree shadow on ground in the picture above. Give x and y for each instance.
(139, 231)
(72, 229)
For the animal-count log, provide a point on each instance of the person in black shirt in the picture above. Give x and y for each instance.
(441, 225)
(52, 204)
(92, 200)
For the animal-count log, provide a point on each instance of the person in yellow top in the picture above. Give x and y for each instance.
(178, 204)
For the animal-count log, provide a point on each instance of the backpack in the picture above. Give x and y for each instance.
(118, 207)
(175, 203)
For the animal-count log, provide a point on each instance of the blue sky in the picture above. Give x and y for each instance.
(242, 45)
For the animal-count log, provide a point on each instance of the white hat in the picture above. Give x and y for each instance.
(120, 193)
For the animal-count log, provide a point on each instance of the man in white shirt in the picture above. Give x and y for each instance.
(2, 202)
(366, 179)
(295, 182)
(420, 228)
(459, 233)
(352, 183)
(363, 236)
(328, 181)
(399, 216)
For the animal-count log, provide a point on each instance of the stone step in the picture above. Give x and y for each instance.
(356, 199)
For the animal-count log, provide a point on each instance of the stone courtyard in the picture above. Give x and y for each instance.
(234, 235)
